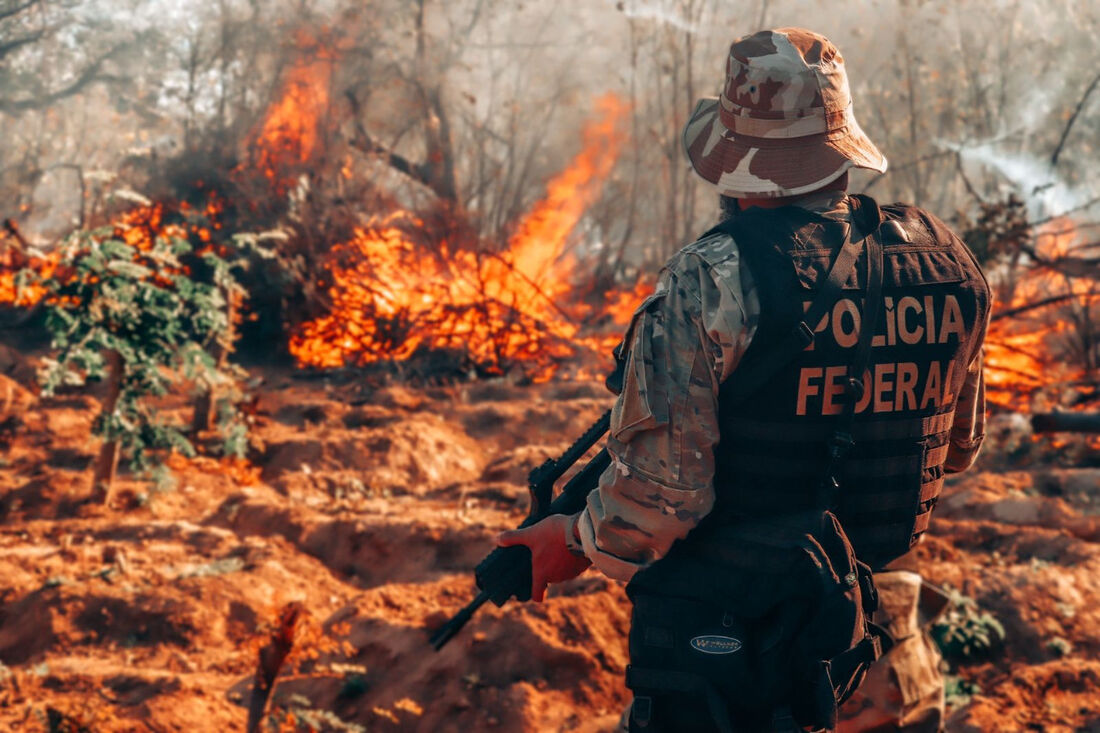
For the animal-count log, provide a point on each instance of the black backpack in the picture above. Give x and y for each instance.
(765, 622)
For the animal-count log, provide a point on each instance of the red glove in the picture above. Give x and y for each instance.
(551, 560)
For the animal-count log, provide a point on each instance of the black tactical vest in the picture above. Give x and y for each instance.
(773, 448)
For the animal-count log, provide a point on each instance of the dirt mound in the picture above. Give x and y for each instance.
(550, 666)
(373, 508)
(1056, 696)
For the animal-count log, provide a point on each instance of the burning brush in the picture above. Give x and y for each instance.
(394, 295)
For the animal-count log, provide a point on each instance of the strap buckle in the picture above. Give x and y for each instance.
(803, 333)
(856, 389)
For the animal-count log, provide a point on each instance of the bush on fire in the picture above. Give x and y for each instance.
(128, 310)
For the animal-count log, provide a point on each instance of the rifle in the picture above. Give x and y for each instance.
(506, 571)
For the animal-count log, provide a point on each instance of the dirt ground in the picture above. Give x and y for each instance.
(370, 507)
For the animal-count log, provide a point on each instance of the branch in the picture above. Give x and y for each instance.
(1068, 422)
(17, 43)
(89, 75)
(1087, 205)
(13, 229)
(17, 9)
(363, 141)
(1011, 312)
(909, 164)
(1067, 265)
(1074, 266)
(1072, 119)
(966, 179)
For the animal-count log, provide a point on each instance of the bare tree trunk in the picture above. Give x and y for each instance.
(439, 163)
(189, 98)
(694, 15)
(762, 21)
(270, 662)
(914, 121)
(107, 462)
(611, 265)
(205, 415)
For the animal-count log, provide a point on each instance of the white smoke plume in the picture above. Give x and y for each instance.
(1045, 194)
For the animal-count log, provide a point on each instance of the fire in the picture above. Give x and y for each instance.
(10, 265)
(541, 237)
(1031, 355)
(392, 295)
(239, 470)
(138, 227)
(290, 132)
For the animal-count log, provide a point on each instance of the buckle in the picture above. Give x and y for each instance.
(803, 333)
(827, 490)
(855, 389)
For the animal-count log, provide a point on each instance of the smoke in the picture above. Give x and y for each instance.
(658, 11)
(1036, 181)
(1040, 188)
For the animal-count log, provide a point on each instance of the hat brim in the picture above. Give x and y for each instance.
(754, 167)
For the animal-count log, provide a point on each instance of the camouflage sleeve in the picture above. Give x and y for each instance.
(683, 341)
(968, 428)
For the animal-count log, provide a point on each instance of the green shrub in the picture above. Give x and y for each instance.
(130, 310)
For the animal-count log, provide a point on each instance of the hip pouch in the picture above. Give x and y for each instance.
(755, 616)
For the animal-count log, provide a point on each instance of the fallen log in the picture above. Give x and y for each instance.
(1066, 422)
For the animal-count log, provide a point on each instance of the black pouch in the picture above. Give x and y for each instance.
(743, 659)
(753, 613)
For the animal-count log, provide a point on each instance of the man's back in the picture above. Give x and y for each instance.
(924, 354)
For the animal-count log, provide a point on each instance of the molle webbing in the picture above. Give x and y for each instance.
(774, 441)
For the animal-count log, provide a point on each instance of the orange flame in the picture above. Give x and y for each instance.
(394, 297)
(290, 132)
(10, 265)
(139, 227)
(1029, 357)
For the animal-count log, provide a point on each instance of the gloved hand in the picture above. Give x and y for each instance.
(551, 559)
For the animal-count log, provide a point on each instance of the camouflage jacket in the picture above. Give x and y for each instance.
(683, 342)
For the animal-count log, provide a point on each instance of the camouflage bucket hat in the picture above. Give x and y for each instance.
(784, 124)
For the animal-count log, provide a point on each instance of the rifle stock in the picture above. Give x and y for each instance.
(506, 571)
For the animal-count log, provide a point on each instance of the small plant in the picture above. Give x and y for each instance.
(958, 691)
(292, 638)
(1060, 647)
(966, 632)
(126, 308)
(298, 713)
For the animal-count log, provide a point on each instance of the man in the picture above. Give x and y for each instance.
(777, 145)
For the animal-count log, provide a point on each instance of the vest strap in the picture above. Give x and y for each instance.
(751, 377)
(841, 442)
(931, 489)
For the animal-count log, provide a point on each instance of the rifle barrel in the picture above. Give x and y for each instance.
(447, 631)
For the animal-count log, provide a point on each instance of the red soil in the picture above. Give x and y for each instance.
(148, 615)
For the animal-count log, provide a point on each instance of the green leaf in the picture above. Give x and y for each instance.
(129, 270)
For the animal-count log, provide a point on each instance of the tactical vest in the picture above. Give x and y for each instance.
(773, 445)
